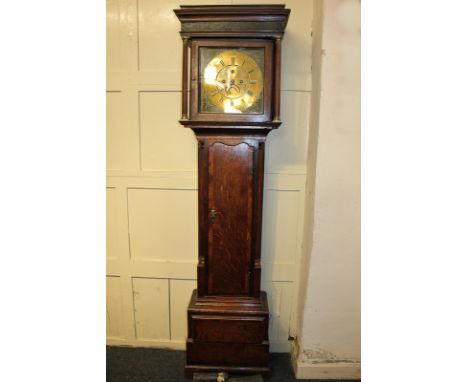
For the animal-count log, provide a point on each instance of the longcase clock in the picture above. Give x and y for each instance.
(231, 99)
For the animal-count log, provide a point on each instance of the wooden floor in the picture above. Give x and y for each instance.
(160, 365)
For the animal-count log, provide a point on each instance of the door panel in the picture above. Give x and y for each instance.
(230, 190)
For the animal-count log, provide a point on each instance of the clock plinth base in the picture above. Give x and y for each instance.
(228, 334)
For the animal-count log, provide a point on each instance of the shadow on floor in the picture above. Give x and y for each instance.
(160, 365)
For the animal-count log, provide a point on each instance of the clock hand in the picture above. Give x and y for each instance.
(232, 85)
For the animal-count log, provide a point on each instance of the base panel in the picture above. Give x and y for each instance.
(228, 334)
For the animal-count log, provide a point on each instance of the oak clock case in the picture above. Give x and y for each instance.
(231, 100)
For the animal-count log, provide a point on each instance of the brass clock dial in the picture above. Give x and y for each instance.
(232, 82)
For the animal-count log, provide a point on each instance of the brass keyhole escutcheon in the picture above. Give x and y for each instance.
(213, 215)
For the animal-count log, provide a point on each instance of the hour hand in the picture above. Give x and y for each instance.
(236, 88)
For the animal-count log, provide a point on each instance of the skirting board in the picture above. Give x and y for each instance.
(275, 346)
(327, 370)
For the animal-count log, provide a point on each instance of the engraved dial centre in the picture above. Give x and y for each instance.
(234, 80)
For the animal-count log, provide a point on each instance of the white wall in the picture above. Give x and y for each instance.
(328, 343)
(152, 177)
